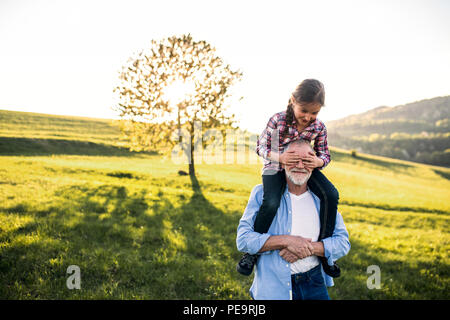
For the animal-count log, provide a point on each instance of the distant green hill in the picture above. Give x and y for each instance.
(29, 133)
(417, 131)
(48, 126)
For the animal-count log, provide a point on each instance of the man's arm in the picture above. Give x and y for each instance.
(274, 243)
(318, 250)
(332, 248)
(299, 246)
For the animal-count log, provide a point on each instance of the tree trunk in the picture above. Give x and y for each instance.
(191, 163)
(194, 181)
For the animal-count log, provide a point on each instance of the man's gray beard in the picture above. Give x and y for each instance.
(298, 182)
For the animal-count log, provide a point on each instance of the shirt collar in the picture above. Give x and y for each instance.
(311, 127)
(286, 190)
(315, 198)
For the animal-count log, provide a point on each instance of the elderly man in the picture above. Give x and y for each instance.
(291, 252)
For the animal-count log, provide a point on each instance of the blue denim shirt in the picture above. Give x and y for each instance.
(272, 273)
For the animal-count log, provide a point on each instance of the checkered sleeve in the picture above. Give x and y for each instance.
(321, 147)
(264, 142)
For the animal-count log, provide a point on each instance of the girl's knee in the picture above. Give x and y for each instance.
(272, 205)
(330, 193)
(333, 195)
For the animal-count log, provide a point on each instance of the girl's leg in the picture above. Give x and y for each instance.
(329, 198)
(274, 185)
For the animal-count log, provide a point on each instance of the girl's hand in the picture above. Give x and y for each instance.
(312, 161)
(289, 157)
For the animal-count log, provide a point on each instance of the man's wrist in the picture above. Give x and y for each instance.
(285, 241)
(277, 242)
(318, 249)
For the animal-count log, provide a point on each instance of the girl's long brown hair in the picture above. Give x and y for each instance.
(310, 90)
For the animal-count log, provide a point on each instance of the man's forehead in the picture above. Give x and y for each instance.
(301, 148)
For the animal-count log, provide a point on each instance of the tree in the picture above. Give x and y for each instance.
(175, 83)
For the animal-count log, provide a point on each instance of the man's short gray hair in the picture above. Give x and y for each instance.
(299, 142)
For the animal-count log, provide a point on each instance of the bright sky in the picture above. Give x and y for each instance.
(62, 57)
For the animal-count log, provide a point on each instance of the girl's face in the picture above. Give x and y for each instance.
(305, 113)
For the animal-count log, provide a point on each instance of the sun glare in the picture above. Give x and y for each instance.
(178, 91)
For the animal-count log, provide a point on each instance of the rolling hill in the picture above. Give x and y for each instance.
(417, 131)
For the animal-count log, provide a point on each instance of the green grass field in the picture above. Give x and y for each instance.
(70, 194)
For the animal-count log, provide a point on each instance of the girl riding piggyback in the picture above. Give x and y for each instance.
(298, 121)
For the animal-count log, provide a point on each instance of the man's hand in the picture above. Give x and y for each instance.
(299, 246)
(288, 256)
(293, 245)
(318, 250)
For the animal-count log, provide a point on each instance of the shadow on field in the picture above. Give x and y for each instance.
(394, 166)
(149, 245)
(211, 252)
(389, 207)
(72, 232)
(127, 245)
(443, 174)
(11, 146)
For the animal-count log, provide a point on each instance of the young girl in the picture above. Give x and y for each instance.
(299, 121)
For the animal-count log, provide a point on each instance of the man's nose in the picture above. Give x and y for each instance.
(300, 164)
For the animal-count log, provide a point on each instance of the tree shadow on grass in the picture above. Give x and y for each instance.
(127, 245)
(108, 232)
(205, 268)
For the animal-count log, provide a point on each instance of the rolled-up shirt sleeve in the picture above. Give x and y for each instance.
(264, 142)
(338, 245)
(247, 240)
(321, 147)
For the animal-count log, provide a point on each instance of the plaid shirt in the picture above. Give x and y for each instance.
(270, 139)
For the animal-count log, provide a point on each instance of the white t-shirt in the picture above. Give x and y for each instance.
(305, 223)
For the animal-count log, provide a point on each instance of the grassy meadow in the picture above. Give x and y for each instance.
(71, 194)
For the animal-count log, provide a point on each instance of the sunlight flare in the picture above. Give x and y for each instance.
(179, 91)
